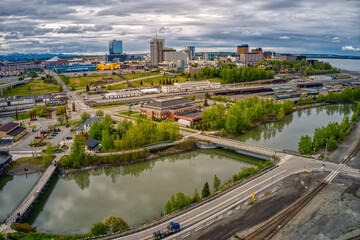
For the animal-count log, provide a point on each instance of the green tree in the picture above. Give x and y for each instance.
(85, 116)
(77, 153)
(206, 190)
(99, 113)
(305, 145)
(48, 155)
(281, 114)
(116, 223)
(99, 228)
(217, 182)
(196, 196)
(107, 142)
(332, 144)
(95, 131)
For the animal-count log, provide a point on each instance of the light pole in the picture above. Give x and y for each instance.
(325, 152)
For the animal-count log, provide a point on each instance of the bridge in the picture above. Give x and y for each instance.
(23, 207)
(240, 147)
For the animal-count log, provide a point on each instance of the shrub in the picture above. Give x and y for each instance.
(23, 227)
(116, 223)
(99, 228)
(251, 202)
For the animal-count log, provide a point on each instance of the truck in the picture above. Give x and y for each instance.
(170, 229)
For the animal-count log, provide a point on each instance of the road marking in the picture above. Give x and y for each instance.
(231, 198)
(351, 171)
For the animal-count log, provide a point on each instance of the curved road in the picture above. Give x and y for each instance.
(204, 213)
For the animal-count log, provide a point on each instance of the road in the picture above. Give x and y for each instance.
(288, 165)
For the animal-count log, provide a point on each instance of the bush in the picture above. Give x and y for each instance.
(23, 227)
(2, 237)
(116, 223)
(251, 202)
(99, 228)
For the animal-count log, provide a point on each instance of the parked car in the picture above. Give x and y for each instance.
(50, 137)
(67, 125)
(68, 137)
(38, 137)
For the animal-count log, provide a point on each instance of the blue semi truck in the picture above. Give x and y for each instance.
(170, 229)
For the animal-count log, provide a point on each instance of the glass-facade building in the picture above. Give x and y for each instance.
(115, 47)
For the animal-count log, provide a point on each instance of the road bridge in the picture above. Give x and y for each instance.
(240, 147)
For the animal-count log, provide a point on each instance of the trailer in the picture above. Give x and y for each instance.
(170, 229)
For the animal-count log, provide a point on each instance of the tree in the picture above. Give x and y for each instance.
(99, 113)
(206, 190)
(141, 82)
(98, 228)
(77, 153)
(96, 130)
(217, 182)
(85, 116)
(206, 103)
(116, 223)
(281, 114)
(48, 155)
(87, 88)
(107, 142)
(196, 196)
(305, 145)
(60, 119)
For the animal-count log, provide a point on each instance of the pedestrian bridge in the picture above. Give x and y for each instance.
(240, 147)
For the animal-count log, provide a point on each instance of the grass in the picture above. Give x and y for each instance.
(35, 160)
(148, 82)
(36, 86)
(108, 106)
(139, 75)
(78, 83)
(21, 116)
(128, 113)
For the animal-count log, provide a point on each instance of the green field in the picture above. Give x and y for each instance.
(108, 106)
(148, 82)
(34, 87)
(78, 83)
(128, 113)
(139, 75)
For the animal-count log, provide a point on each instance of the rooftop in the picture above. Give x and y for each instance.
(192, 115)
(168, 102)
(16, 131)
(4, 157)
(92, 142)
(8, 126)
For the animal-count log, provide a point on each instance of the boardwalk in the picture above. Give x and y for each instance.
(21, 210)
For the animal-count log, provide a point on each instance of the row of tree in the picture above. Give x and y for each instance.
(242, 114)
(230, 73)
(356, 114)
(331, 135)
(111, 223)
(303, 66)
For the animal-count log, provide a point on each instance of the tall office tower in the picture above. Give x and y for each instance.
(257, 50)
(192, 50)
(157, 46)
(115, 47)
(242, 49)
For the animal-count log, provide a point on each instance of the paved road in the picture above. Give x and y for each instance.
(288, 165)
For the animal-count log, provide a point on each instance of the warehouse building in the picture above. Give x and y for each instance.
(11, 132)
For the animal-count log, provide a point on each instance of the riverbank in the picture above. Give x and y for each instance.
(188, 145)
(25, 166)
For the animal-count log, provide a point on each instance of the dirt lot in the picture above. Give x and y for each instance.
(333, 214)
(288, 191)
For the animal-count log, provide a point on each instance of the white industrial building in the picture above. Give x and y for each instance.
(122, 94)
(190, 86)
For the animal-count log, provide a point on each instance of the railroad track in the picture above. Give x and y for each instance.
(270, 228)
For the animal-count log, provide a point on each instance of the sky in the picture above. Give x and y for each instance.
(87, 26)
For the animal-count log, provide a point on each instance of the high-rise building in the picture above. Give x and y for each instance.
(257, 50)
(115, 47)
(157, 46)
(242, 49)
(209, 56)
(191, 49)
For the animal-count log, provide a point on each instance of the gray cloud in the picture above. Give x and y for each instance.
(322, 26)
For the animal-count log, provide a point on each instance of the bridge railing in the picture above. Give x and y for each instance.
(23, 199)
(240, 142)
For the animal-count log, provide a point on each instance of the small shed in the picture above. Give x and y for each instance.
(92, 144)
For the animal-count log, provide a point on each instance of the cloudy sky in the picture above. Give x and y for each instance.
(86, 26)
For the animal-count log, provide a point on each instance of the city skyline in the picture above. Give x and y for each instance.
(83, 27)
